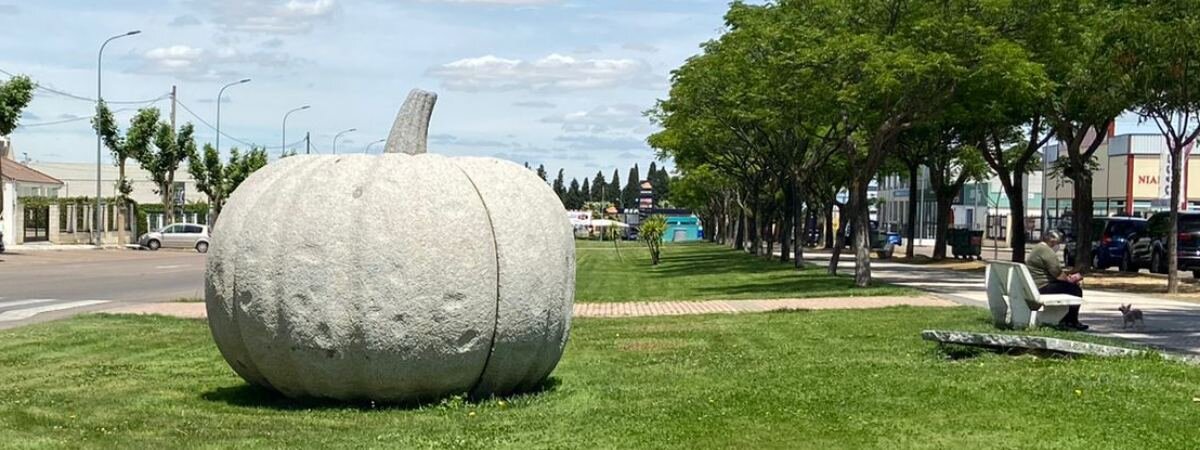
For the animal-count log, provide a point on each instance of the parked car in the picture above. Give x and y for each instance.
(1111, 238)
(177, 235)
(1149, 248)
(882, 241)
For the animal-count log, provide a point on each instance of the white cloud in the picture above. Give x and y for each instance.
(185, 20)
(273, 16)
(192, 63)
(553, 73)
(602, 119)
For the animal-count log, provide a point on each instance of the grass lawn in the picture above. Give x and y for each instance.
(826, 379)
(700, 271)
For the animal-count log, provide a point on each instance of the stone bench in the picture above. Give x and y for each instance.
(1011, 291)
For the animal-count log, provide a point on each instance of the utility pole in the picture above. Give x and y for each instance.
(173, 97)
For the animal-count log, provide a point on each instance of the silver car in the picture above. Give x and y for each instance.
(177, 235)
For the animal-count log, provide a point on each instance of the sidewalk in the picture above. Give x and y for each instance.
(1170, 324)
(196, 310)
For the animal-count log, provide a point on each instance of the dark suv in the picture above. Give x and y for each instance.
(1149, 248)
(1111, 242)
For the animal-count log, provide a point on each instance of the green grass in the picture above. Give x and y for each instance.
(701, 271)
(826, 379)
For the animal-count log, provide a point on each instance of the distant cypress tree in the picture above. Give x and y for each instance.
(585, 192)
(629, 197)
(662, 186)
(573, 200)
(541, 172)
(613, 195)
(598, 188)
(559, 189)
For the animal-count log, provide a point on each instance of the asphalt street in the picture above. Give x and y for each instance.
(47, 285)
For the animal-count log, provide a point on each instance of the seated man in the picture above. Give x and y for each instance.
(1048, 275)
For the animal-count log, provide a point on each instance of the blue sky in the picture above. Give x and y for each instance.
(555, 82)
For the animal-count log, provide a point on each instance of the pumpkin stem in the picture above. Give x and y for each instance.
(410, 131)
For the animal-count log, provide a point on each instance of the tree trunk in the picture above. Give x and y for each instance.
(911, 226)
(123, 200)
(1173, 223)
(828, 232)
(754, 216)
(838, 241)
(800, 224)
(1016, 205)
(944, 213)
(739, 238)
(862, 228)
(1082, 205)
(786, 228)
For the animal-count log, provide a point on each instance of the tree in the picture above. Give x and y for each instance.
(209, 173)
(15, 95)
(541, 172)
(574, 200)
(559, 189)
(585, 191)
(629, 196)
(1010, 93)
(1156, 45)
(651, 232)
(598, 187)
(171, 149)
(1090, 90)
(613, 193)
(216, 180)
(135, 143)
(242, 165)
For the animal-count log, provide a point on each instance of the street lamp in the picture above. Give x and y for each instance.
(99, 98)
(335, 138)
(219, 94)
(368, 149)
(283, 148)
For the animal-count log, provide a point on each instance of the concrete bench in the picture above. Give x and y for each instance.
(1011, 290)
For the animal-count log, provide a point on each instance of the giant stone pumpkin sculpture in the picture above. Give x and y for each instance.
(396, 277)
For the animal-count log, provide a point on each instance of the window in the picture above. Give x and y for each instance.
(173, 229)
(192, 229)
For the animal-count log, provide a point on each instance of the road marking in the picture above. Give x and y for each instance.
(25, 302)
(22, 314)
(176, 266)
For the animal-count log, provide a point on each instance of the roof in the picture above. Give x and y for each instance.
(16, 171)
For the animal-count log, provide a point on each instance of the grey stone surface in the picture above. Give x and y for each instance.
(381, 277)
(410, 131)
(536, 255)
(1032, 343)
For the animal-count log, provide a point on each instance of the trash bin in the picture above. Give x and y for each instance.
(965, 243)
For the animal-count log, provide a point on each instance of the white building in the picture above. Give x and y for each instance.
(79, 180)
(979, 205)
(18, 180)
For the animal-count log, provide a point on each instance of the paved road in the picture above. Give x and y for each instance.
(1170, 324)
(47, 285)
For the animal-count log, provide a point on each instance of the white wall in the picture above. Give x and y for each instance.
(6, 224)
(79, 179)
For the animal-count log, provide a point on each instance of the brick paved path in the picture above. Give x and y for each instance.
(635, 309)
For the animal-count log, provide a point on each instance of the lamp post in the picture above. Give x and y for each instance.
(336, 136)
(368, 149)
(99, 98)
(283, 148)
(219, 95)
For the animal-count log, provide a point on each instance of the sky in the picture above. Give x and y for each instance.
(562, 83)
